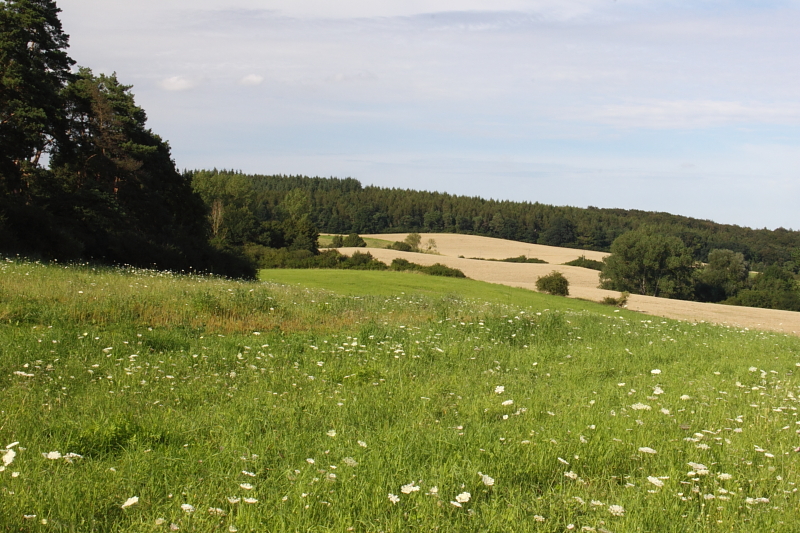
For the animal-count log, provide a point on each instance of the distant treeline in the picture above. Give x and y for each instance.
(250, 208)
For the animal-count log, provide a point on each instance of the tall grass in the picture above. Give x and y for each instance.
(201, 392)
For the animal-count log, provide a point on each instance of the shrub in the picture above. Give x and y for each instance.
(586, 263)
(523, 259)
(400, 246)
(553, 283)
(617, 302)
(354, 241)
(337, 241)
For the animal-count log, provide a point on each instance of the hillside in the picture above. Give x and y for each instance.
(455, 251)
(325, 400)
(343, 206)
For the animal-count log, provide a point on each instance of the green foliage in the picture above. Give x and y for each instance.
(413, 240)
(337, 241)
(648, 262)
(586, 263)
(354, 241)
(554, 283)
(617, 302)
(561, 231)
(111, 192)
(723, 277)
(342, 206)
(436, 269)
(400, 246)
(774, 288)
(523, 259)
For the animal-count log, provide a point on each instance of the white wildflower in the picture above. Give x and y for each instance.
(571, 475)
(655, 481)
(508, 402)
(8, 457)
(616, 510)
(130, 501)
(331, 433)
(655, 371)
(409, 488)
(685, 397)
(658, 390)
(246, 486)
(52, 455)
(499, 389)
(249, 500)
(646, 449)
(538, 518)
(394, 498)
(362, 443)
(724, 477)
(188, 508)
(640, 407)
(433, 491)
(488, 481)
(216, 511)
(349, 461)
(233, 499)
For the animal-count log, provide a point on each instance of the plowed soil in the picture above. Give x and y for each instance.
(583, 282)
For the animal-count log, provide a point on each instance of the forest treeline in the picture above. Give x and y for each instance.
(253, 208)
(81, 175)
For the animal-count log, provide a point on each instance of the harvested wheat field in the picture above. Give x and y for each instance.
(583, 282)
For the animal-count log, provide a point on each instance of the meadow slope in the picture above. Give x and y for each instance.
(454, 250)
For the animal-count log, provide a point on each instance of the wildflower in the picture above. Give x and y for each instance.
(560, 460)
(724, 477)
(246, 486)
(349, 461)
(616, 510)
(596, 503)
(160, 521)
(216, 511)
(52, 455)
(488, 481)
(310, 461)
(645, 449)
(408, 489)
(463, 497)
(753, 369)
(655, 481)
(362, 443)
(658, 390)
(249, 500)
(571, 475)
(665, 410)
(640, 407)
(655, 371)
(538, 518)
(232, 528)
(433, 491)
(578, 499)
(130, 501)
(188, 508)
(246, 473)
(233, 499)
(394, 498)
(703, 446)
(685, 397)
(8, 457)
(331, 433)
(508, 402)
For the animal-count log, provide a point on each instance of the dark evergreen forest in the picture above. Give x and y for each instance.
(81, 175)
(250, 206)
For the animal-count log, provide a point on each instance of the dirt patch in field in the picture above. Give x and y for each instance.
(583, 282)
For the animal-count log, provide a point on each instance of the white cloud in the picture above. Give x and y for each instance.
(176, 83)
(251, 80)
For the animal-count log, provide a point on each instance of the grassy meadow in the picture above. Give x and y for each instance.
(336, 401)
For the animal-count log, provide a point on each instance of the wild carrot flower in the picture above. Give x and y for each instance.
(130, 501)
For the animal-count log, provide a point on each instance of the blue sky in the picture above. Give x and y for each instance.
(687, 107)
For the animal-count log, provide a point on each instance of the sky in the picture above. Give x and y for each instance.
(688, 107)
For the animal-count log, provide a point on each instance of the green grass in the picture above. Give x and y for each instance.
(175, 389)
